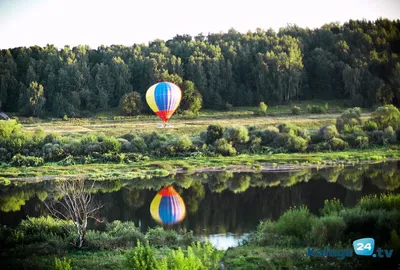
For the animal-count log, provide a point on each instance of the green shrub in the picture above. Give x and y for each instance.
(208, 255)
(126, 229)
(290, 142)
(389, 136)
(158, 237)
(62, 264)
(225, 148)
(262, 109)
(331, 207)
(295, 110)
(370, 126)
(20, 160)
(338, 144)
(295, 222)
(110, 144)
(68, 161)
(315, 109)
(214, 132)
(143, 258)
(328, 132)
(131, 103)
(387, 115)
(177, 260)
(236, 135)
(37, 229)
(350, 117)
(384, 201)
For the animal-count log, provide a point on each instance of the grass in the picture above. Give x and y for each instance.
(170, 165)
(111, 123)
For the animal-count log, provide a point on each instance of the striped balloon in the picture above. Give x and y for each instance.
(164, 98)
(168, 206)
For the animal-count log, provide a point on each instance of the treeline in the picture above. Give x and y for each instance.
(357, 61)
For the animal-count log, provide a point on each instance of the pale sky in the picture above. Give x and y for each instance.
(125, 22)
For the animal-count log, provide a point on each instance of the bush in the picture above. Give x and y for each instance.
(295, 222)
(389, 136)
(208, 255)
(20, 160)
(225, 148)
(332, 207)
(349, 117)
(62, 264)
(296, 110)
(338, 144)
(315, 109)
(327, 230)
(370, 126)
(383, 202)
(236, 135)
(262, 109)
(214, 132)
(387, 115)
(158, 237)
(290, 142)
(38, 229)
(110, 144)
(177, 260)
(328, 132)
(142, 258)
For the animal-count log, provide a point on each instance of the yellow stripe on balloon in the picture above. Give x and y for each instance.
(154, 208)
(150, 98)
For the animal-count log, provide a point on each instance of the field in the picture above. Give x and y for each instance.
(111, 123)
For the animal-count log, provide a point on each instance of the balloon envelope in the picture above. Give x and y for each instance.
(168, 206)
(164, 98)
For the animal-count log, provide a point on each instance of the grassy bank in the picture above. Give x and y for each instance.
(163, 167)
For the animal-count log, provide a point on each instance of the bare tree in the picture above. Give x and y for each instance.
(77, 205)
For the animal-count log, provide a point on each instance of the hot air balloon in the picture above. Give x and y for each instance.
(164, 98)
(168, 207)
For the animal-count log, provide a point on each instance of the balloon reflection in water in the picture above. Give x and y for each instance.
(168, 207)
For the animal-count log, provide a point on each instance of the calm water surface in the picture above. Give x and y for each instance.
(222, 206)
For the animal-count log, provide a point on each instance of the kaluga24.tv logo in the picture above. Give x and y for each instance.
(362, 247)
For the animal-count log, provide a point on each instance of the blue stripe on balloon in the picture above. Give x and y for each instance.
(168, 209)
(162, 95)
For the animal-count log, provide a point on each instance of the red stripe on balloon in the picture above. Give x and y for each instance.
(165, 115)
(168, 191)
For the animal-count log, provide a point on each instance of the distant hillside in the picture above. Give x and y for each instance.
(358, 62)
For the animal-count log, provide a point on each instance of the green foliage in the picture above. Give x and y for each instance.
(295, 222)
(214, 132)
(158, 237)
(225, 148)
(328, 132)
(177, 260)
(62, 264)
(386, 116)
(315, 109)
(142, 258)
(20, 160)
(338, 144)
(110, 144)
(192, 100)
(349, 117)
(370, 126)
(332, 207)
(295, 110)
(385, 201)
(209, 256)
(236, 135)
(32, 101)
(262, 109)
(131, 104)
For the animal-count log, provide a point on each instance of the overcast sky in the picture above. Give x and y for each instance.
(96, 22)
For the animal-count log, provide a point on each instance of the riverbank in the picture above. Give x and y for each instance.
(164, 167)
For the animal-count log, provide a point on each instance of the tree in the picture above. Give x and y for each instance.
(76, 204)
(262, 109)
(386, 116)
(32, 101)
(191, 98)
(131, 104)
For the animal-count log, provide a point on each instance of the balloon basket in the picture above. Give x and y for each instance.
(164, 126)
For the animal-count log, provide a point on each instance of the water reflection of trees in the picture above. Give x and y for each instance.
(221, 201)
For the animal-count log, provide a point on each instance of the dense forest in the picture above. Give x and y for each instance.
(357, 62)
